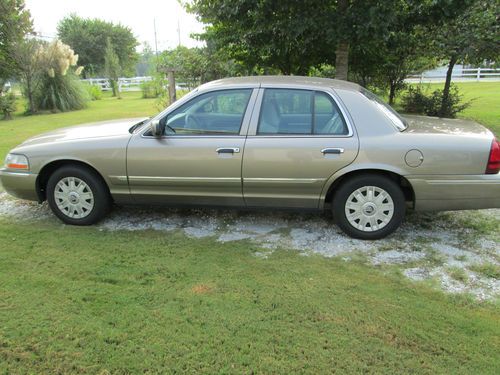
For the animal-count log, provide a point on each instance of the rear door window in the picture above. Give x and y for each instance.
(301, 112)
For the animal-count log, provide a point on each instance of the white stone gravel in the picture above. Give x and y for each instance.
(414, 248)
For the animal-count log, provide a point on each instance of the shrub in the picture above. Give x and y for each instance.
(94, 92)
(59, 88)
(61, 93)
(8, 105)
(151, 89)
(417, 101)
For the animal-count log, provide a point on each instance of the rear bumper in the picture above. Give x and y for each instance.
(20, 185)
(453, 192)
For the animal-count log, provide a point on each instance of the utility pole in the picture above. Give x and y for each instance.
(179, 32)
(156, 40)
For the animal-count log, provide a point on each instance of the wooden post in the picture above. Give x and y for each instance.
(171, 86)
(170, 73)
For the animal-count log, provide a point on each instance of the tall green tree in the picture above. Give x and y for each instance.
(112, 67)
(294, 36)
(88, 38)
(472, 37)
(27, 55)
(15, 23)
(288, 35)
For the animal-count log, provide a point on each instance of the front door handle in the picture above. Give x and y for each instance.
(228, 150)
(336, 151)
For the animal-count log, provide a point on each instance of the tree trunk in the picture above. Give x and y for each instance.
(342, 60)
(392, 92)
(31, 101)
(342, 52)
(447, 85)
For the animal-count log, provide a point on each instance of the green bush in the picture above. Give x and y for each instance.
(8, 105)
(61, 93)
(151, 89)
(417, 101)
(94, 92)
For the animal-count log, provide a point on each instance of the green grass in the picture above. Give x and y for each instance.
(78, 300)
(22, 127)
(458, 274)
(485, 106)
(488, 270)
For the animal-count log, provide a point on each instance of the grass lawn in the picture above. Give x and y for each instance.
(15, 131)
(78, 300)
(485, 106)
(82, 300)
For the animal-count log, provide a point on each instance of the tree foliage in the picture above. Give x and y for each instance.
(27, 56)
(15, 23)
(88, 38)
(198, 65)
(290, 35)
(112, 67)
(471, 37)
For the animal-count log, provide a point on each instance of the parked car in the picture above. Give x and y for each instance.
(273, 142)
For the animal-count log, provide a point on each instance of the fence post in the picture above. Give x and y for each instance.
(478, 76)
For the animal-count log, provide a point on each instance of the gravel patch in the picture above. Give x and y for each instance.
(424, 248)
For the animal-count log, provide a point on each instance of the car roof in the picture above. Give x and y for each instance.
(282, 80)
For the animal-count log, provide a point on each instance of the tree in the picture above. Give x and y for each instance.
(294, 36)
(147, 61)
(15, 23)
(27, 56)
(88, 38)
(290, 36)
(112, 67)
(472, 37)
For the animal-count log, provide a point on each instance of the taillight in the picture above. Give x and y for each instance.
(494, 159)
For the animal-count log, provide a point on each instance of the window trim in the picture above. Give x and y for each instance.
(254, 125)
(245, 121)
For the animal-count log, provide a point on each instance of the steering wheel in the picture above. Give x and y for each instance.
(191, 119)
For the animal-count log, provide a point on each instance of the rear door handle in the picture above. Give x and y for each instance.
(228, 150)
(336, 151)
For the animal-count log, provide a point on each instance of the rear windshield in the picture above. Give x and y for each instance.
(399, 122)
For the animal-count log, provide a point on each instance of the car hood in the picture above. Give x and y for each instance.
(436, 125)
(86, 131)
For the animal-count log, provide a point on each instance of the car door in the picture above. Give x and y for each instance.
(297, 139)
(198, 160)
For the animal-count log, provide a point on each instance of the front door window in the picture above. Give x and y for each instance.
(213, 113)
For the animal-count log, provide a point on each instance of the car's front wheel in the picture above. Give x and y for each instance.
(77, 195)
(369, 207)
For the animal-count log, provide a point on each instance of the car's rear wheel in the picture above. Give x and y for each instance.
(369, 207)
(77, 195)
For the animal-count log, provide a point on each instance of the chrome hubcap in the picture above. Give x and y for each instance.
(74, 197)
(369, 208)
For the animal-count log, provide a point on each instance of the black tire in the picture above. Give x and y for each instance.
(348, 187)
(100, 194)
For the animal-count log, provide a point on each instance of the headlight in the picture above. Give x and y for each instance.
(19, 162)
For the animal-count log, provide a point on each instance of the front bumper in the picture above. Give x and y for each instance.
(19, 184)
(455, 192)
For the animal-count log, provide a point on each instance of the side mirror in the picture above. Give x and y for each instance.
(157, 129)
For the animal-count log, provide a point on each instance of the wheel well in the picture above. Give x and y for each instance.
(403, 183)
(47, 170)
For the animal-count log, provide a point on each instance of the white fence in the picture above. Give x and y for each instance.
(463, 75)
(127, 84)
(124, 84)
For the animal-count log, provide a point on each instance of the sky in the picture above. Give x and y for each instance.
(138, 15)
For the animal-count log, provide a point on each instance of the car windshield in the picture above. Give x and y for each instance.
(399, 122)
